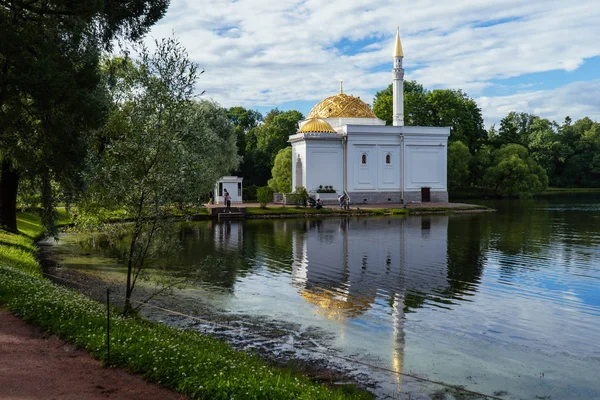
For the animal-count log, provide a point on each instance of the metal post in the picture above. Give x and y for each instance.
(107, 326)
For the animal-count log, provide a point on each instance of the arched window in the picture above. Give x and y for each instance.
(388, 159)
(364, 158)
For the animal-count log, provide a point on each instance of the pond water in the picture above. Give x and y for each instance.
(504, 303)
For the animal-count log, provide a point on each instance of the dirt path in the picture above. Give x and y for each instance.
(32, 367)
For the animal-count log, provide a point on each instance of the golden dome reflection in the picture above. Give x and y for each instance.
(342, 106)
(317, 125)
(331, 305)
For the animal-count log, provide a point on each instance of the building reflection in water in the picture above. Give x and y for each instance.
(344, 267)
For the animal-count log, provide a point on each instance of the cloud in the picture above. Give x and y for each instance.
(576, 100)
(267, 52)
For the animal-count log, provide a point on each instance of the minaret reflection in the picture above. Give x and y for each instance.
(372, 269)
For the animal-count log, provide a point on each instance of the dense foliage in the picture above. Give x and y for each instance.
(262, 140)
(51, 95)
(264, 195)
(515, 173)
(282, 171)
(157, 149)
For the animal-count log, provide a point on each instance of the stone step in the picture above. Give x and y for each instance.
(217, 211)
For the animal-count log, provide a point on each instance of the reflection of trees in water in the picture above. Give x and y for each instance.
(228, 250)
(467, 244)
(527, 232)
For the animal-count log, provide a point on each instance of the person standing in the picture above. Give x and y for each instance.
(227, 199)
(211, 198)
(342, 199)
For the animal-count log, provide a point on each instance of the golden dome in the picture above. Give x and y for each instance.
(317, 125)
(342, 106)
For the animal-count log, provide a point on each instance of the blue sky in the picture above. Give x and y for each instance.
(541, 57)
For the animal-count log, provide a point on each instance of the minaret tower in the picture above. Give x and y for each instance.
(398, 82)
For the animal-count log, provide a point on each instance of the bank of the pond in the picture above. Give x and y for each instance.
(195, 365)
(278, 211)
(485, 193)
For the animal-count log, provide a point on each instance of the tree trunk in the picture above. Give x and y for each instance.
(9, 183)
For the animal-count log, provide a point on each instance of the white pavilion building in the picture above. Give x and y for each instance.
(343, 144)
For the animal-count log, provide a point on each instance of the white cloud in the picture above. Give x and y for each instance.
(576, 100)
(266, 52)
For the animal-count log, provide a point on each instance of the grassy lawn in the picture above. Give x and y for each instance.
(193, 364)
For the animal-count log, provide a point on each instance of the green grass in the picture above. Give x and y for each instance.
(18, 251)
(196, 365)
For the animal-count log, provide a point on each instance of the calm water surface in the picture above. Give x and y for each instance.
(505, 302)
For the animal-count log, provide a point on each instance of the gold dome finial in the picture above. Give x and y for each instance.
(341, 86)
(398, 47)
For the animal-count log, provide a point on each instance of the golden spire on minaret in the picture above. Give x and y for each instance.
(341, 86)
(398, 47)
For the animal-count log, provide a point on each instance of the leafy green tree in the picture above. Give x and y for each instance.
(282, 171)
(514, 128)
(455, 109)
(458, 165)
(244, 121)
(159, 148)
(579, 144)
(50, 89)
(415, 104)
(264, 142)
(264, 195)
(273, 135)
(479, 163)
(446, 107)
(514, 173)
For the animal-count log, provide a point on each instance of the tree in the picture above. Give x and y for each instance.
(579, 144)
(50, 89)
(514, 128)
(159, 147)
(415, 104)
(282, 171)
(264, 195)
(515, 173)
(244, 121)
(264, 142)
(458, 165)
(445, 107)
(480, 161)
(273, 135)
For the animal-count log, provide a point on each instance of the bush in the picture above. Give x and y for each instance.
(264, 195)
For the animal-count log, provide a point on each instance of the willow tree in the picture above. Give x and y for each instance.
(159, 147)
